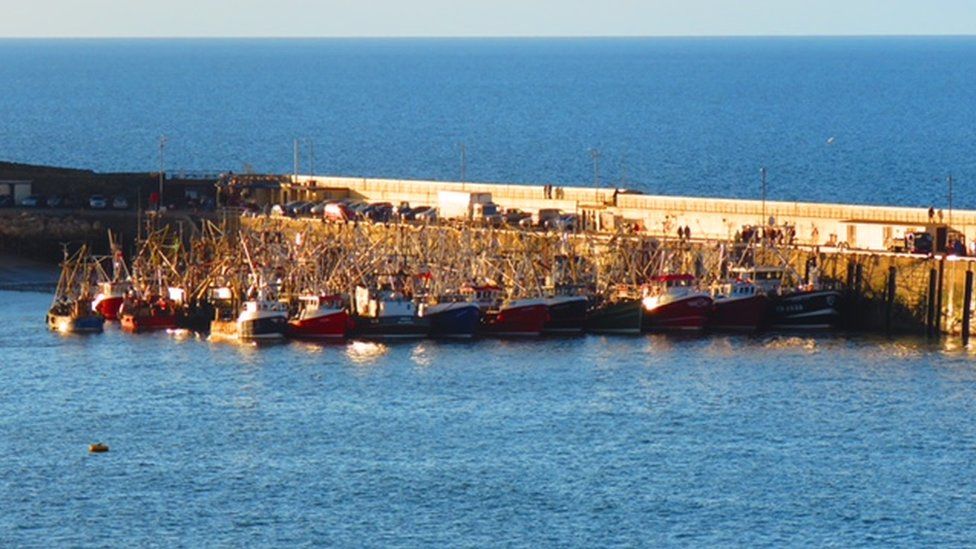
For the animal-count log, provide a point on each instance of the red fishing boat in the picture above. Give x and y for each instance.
(147, 314)
(674, 303)
(109, 299)
(319, 317)
(513, 317)
(740, 306)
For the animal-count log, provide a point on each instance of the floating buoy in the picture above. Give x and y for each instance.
(98, 448)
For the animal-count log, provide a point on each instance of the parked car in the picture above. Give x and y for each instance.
(319, 209)
(404, 210)
(338, 211)
(427, 214)
(379, 212)
(565, 222)
(514, 216)
(544, 215)
(292, 207)
(303, 209)
(33, 201)
(57, 201)
(120, 203)
(97, 202)
(359, 207)
(278, 209)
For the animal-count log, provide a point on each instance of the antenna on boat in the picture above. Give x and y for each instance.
(762, 173)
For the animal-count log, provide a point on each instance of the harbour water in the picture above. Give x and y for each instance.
(872, 120)
(580, 441)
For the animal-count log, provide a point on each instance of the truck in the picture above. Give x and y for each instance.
(465, 205)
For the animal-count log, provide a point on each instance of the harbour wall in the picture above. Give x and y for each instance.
(849, 226)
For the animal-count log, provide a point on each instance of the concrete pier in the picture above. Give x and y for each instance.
(822, 224)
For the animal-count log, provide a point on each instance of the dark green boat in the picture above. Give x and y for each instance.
(621, 316)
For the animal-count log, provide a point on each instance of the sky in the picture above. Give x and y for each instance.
(328, 18)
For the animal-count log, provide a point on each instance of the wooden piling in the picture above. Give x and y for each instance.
(967, 305)
(938, 298)
(930, 313)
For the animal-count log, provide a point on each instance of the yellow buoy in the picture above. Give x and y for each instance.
(98, 448)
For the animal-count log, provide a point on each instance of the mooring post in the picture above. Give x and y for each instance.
(930, 313)
(890, 297)
(858, 317)
(938, 298)
(966, 305)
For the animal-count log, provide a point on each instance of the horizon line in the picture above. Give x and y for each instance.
(481, 36)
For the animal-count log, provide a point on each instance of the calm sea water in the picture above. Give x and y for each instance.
(588, 441)
(579, 442)
(673, 116)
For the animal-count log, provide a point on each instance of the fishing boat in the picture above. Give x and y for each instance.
(809, 306)
(71, 310)
(109, 299)
(452, 317)
(319, 317)
(621, 312)
(146, 314)
(74, 316)
(112, 289)
(567, 314)
(739, 305)
(507, 317)
(259, 318)
(674, 303)
(385, 313)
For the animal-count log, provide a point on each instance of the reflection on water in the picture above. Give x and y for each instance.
(421, 356)
(778, 342)
(365, 352)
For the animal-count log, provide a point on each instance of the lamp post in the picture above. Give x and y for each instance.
(762, 173)
(595, 154)
(949, 181)
(464, 165)
(162, 146)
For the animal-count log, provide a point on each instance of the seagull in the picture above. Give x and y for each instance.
(830, 140)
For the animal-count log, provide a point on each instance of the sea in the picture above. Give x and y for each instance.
(864, 120)
(764, 440)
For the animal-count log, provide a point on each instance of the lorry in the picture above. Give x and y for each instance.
(465, 205)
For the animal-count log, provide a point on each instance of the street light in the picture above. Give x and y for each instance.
(595, 154)
(949, 181)
(162, 145)
(762, 173)
(463, 162)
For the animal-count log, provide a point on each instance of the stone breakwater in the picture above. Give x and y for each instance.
(40, 234)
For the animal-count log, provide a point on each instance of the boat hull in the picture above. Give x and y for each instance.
(738, 314)
(454, 322)
(108, 307)
(147, 323)
(524, 321)
(566, 316)
(619, 317)
(263, 327)
(328, 326)
(814, 310)
(389, 327)
(75, 325)
(687, 314)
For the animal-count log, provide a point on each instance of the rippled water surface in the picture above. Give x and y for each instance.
(586, 441)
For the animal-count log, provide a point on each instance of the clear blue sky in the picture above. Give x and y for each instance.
(483, 17)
